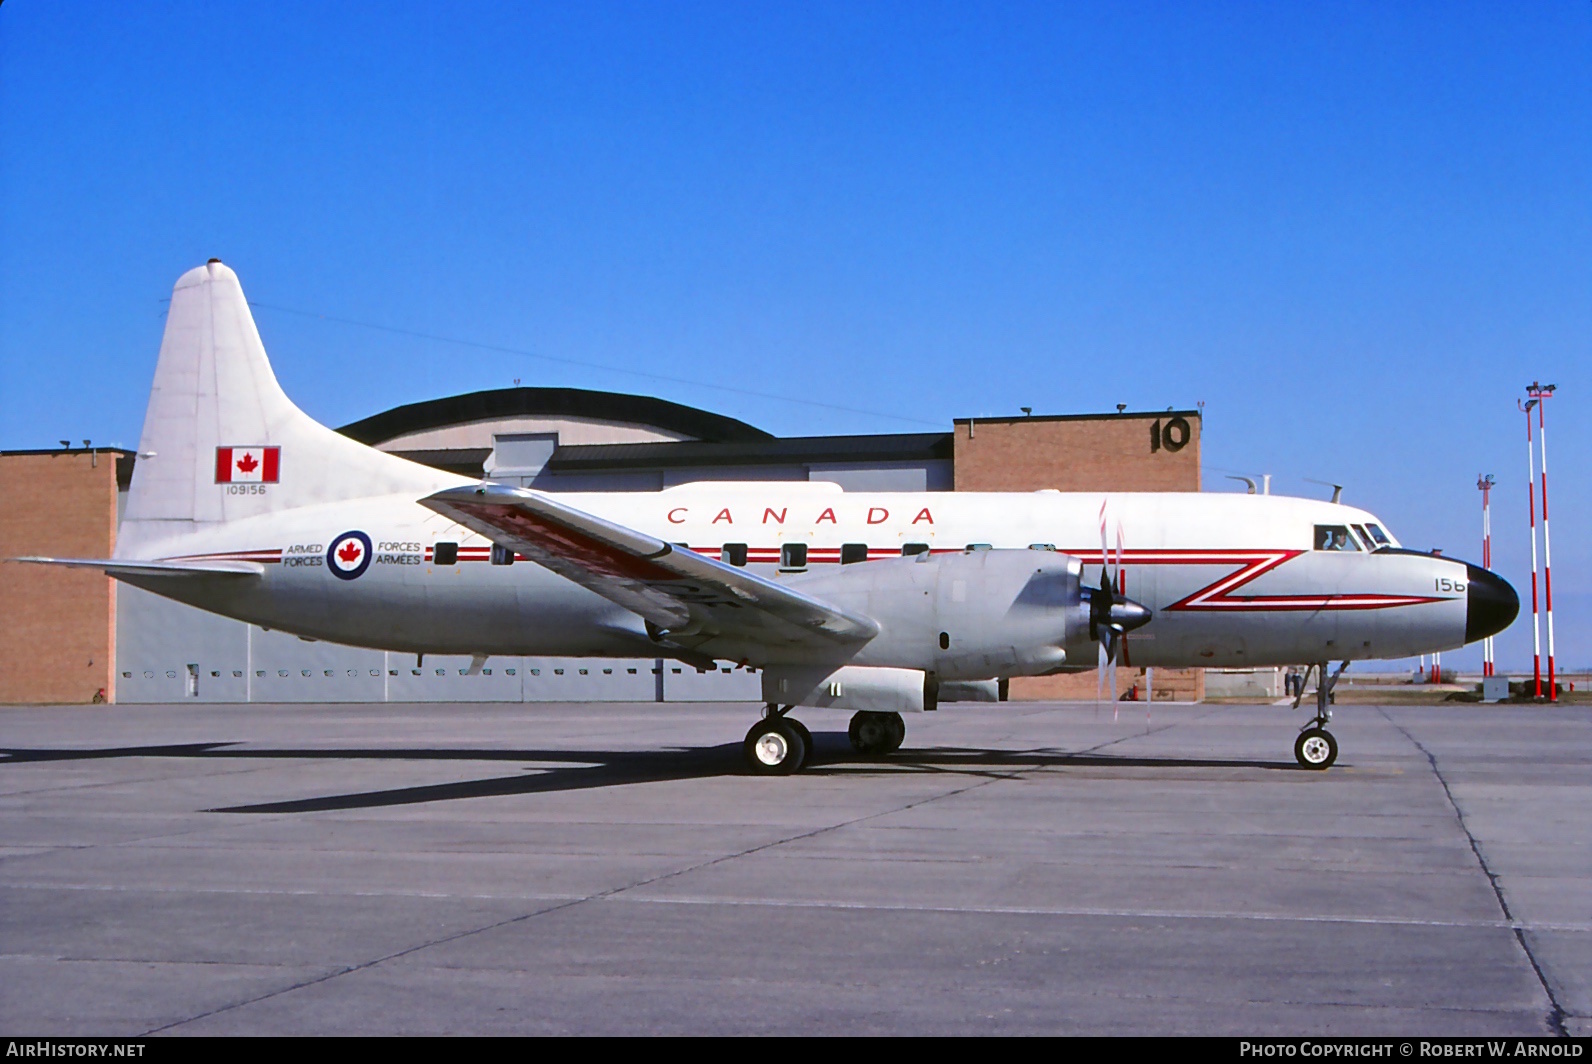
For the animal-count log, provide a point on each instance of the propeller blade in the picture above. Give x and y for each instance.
(1101, 601)
(1121, 583)
(1116, 706)
(1121, 577)
(1100, 677)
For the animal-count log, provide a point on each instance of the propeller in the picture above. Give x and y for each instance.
(1112, 615)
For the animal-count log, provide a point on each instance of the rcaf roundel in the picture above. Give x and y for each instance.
(349, 555)
(248, 465)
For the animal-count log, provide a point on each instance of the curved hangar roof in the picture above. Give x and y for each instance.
(578, 416)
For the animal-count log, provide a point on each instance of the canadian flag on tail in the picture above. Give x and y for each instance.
(247, 465)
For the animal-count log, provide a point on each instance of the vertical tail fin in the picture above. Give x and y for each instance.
(222, 441)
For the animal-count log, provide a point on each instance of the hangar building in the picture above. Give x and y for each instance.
(75, 636)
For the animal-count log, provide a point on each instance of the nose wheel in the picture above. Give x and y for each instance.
(1316, 748)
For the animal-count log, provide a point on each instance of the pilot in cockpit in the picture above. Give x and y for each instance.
(1334, 538)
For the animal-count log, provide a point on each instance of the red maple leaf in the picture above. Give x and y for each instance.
(247, 462)
(348, 552)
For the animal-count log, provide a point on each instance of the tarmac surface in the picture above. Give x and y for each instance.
(592, 869)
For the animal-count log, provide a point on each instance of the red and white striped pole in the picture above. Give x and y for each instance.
(1531, 506)
(1542, 393)
(1485, 483)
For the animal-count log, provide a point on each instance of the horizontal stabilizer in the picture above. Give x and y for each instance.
(687, 599)
(118, 566)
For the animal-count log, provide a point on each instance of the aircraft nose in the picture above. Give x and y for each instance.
(1490, 603)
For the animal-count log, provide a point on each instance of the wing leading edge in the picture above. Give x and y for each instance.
(686, 599)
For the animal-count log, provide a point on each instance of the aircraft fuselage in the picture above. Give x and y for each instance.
(1233, 580)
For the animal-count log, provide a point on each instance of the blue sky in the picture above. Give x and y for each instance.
(1353, 231)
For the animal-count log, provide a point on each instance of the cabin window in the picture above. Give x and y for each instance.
(909, 549)
(445, 554)
(979, 546)
(853, 552)
(793, 556)
(1334, 538)
(733, 554)
(1041, 546)
(502, 555)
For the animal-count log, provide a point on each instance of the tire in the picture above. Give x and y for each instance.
(774, 748)
(871, 734)
(898, 732)
(807, 738)
(1316, 749)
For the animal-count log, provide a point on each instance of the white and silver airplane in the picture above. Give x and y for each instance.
(243, 505)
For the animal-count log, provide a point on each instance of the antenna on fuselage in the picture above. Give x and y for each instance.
(1337, 489)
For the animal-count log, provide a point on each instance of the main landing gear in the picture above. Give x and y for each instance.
(1316, 748)
(877, 734)
(779, 744)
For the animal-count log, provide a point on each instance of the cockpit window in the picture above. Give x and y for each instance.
(1378, 537)
(1335, 538)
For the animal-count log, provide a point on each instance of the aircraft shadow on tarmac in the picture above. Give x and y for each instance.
(587, 769)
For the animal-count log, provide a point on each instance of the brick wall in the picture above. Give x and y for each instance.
(1127, 452)
(1171, 685)
(57, 626)
(1122, 452)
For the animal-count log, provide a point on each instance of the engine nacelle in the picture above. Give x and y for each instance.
(965, 616)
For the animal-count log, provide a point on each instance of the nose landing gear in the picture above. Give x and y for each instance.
(1316, 748)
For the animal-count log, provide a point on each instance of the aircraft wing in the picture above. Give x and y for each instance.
(686, 599)
(115, 566)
